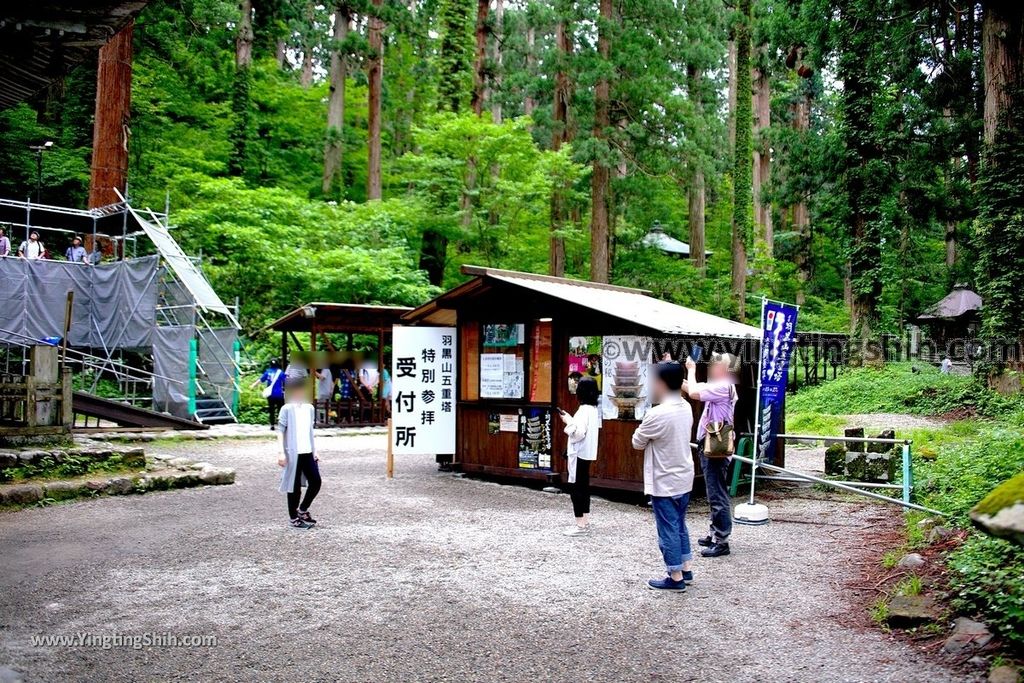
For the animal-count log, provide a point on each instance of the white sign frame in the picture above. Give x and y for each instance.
(424, 371)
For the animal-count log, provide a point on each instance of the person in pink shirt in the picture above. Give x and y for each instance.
(719, 397)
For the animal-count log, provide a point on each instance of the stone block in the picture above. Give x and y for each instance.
(21, 494)
(908, 611)
(217, 476)
(968, 635)
(835, 460)
(882, 447)
(63, 490)
(856, 466)
(854, 433)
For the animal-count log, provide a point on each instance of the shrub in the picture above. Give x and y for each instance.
(987, 581)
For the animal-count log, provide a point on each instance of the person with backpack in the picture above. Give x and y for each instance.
(664, 437)
(716, 436)
(32, 249)
(582, 430)
(299, 461)
(273, 379)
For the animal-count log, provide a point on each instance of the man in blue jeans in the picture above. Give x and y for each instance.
(664, 437)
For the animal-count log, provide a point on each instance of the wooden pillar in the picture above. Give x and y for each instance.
(113, 113)
(380, 372)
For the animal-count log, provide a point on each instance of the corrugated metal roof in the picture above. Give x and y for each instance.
(955, 304)
(186, 271)
(631, 305)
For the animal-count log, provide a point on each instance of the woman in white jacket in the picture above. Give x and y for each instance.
(582, 429)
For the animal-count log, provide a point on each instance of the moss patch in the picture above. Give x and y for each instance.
(1006, 494)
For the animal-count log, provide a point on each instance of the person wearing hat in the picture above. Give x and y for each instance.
(664, 437)
(719, 397)
(76, 252)
(32, 248)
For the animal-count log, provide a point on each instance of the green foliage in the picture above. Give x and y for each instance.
(69, 466)
(814, 423)
(896, 389)
(999, 230)
(742, 176)
(456, 21)
(987, 580)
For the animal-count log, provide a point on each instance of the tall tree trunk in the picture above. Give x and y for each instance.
(281, 54)
(801, 216)
(531, 65)
(743, 157)
(240, 105)
(498, 59)
(695, 192)
(374, 77)
(560, 134)
(731, 64)
(483, 8)
(600, 177)
(308, 33)
(1002, 37)
(109, 168)
(765, 236)
(333, 146)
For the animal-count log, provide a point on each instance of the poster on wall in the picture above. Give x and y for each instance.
(504, 335)
(626, 360)
(535, 439)
(778, 329)
(423, 390)
(584, 359)
(492, 375)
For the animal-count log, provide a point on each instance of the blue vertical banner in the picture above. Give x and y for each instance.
(778, 332)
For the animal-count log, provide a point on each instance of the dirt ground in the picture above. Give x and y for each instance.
(428, 577)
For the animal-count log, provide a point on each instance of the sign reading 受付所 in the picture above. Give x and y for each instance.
(778, 329)
(423, 390)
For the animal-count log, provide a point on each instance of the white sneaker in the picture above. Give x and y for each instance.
(576, 530)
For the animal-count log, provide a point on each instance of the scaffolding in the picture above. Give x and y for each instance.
(145, 315)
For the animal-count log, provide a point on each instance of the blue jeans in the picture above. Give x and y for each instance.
(716, 479)
(673, 538)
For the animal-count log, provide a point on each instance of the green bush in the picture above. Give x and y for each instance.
(987, 581)
(895, 388)
(252, 407)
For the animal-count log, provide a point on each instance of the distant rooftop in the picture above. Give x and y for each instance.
(961, 301)
(659, 239)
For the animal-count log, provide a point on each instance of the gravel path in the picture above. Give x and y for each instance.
(428, 577)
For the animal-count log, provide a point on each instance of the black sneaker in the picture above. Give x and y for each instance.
(297, 523)
(687, 577)
(667, 584)
(716, 550)
(705, 542)
(304, 516)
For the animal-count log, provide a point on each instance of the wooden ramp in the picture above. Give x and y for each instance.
(125, 415)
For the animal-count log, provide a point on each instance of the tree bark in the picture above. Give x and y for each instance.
(374, 76)
(560, 134)
(333, 146)
(801, 216)
(762, 163)
(695, 192)
(600, 177)
(498, 59)
(240, 105)
(483, 8)
(1002, 37)
(531, 65)
(244, 36)
(109, 167)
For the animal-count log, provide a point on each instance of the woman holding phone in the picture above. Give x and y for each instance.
(582, 429)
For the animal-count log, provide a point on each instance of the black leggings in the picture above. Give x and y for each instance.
(580, 491)
(274, 404)
(306, 465)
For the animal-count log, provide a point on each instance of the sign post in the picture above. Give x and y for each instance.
(389, 462)
(778, 332)
(423, 391)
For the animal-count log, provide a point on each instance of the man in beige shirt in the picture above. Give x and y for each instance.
(664, 436)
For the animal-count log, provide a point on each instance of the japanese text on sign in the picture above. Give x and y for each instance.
(423, 386)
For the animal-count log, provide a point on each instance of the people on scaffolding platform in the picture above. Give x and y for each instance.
(76, 252)
(32, 249)
(5, 243)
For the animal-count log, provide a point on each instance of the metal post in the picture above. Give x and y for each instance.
(907, 473)
(757, 408)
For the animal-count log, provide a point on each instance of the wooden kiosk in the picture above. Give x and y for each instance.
(525, 339)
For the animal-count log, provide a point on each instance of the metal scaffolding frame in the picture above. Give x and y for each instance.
(123, 226)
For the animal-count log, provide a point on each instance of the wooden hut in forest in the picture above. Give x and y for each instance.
(524, 340)
(951, 324)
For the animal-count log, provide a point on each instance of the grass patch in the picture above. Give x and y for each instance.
(911, 585)
(892, 558)
(69, 467)
(880, 613)
(895, 388)
(814, 423)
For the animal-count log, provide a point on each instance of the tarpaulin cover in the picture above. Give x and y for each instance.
(114, 307)
(171, 360)
(217, 360)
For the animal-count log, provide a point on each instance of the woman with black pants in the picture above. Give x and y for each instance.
(582, 429)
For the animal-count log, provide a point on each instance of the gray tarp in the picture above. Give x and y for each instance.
(171, 357)
(115, 303)
(217, 359)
